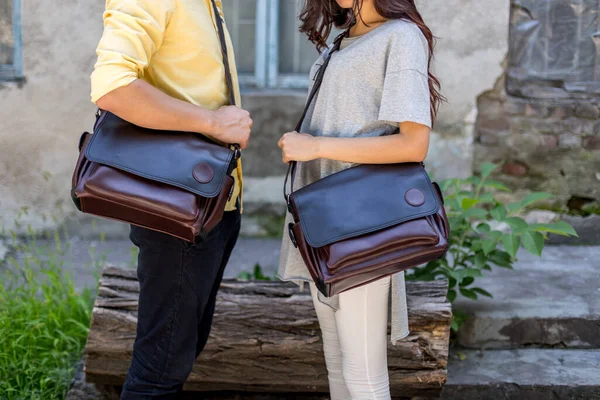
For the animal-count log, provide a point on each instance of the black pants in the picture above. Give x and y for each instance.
(178, 287)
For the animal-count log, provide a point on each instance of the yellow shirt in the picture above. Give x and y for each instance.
(171, 44)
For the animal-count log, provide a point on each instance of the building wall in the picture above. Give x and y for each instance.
(543, 125)
(43, 116)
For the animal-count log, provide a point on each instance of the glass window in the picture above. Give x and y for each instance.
(270, 50)
(10, 40)
(7, 46)
(296, 53)
(240, 16)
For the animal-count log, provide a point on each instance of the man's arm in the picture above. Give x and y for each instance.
(142, 104)
(133, 32)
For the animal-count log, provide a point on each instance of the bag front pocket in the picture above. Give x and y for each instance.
(350, 252)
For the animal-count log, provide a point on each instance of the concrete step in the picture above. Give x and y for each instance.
(531, 374)
(525, 374)
(548, 301)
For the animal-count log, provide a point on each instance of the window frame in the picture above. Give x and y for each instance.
(14, 71)
(266, 69)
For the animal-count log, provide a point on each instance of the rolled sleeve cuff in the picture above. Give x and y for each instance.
(107, 78)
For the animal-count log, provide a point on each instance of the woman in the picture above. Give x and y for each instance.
(375, 106)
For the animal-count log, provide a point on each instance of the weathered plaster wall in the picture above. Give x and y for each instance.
(43, 117)
(472, 44)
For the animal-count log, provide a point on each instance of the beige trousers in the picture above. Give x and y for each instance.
(355, 342)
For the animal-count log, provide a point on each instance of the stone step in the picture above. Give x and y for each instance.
(548, 301)
(524, 374)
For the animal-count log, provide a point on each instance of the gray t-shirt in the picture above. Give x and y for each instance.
(374, 82)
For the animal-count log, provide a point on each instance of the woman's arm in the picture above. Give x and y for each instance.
(142, 104)
(410, 145)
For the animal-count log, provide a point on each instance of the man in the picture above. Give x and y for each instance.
(160, 66)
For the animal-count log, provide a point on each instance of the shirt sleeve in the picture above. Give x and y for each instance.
(405, 96)
(133, 32)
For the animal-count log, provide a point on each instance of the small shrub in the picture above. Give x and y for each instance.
(475, 245)
(257, 274)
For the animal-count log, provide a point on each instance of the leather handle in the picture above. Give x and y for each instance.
(315, 89)
(228, 78)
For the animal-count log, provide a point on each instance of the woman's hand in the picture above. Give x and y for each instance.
(298, 147)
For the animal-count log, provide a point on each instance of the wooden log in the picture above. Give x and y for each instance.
(266, 338)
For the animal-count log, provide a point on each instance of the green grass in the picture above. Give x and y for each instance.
(43, 325)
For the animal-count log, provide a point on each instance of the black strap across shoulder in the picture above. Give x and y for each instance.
(313, 93)
(224, 52)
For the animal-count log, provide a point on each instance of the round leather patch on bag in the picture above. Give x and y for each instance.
(414, 197)
(203, 173)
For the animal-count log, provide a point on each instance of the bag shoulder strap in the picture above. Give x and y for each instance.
(313, 93)
(228, 79)
(221, 32)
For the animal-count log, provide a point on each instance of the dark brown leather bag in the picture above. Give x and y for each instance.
(366, 222)
(173, 182)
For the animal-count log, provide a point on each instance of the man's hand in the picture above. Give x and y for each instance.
(144, 105)
(298, 147)
(232, 125)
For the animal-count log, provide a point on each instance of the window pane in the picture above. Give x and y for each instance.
(240, 16)
(296, 53)
(6, 33)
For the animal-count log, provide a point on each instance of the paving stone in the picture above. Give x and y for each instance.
(588, 229)
(548, 301)
(525, 374)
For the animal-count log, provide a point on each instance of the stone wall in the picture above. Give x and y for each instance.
(543, 124)
(542, 145)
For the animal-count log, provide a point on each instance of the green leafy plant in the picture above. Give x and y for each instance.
(476, 242)
(257, 274)
(43, 322)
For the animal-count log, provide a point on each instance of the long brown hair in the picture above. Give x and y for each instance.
(320, 16)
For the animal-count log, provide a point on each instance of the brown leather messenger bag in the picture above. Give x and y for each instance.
(366, 222)
(173, 182)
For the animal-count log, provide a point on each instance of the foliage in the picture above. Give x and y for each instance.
(43, 322)
(476, 242)
(272, 225)
(257, 274)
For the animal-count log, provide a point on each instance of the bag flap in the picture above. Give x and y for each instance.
(363, 199)
(180, 159)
